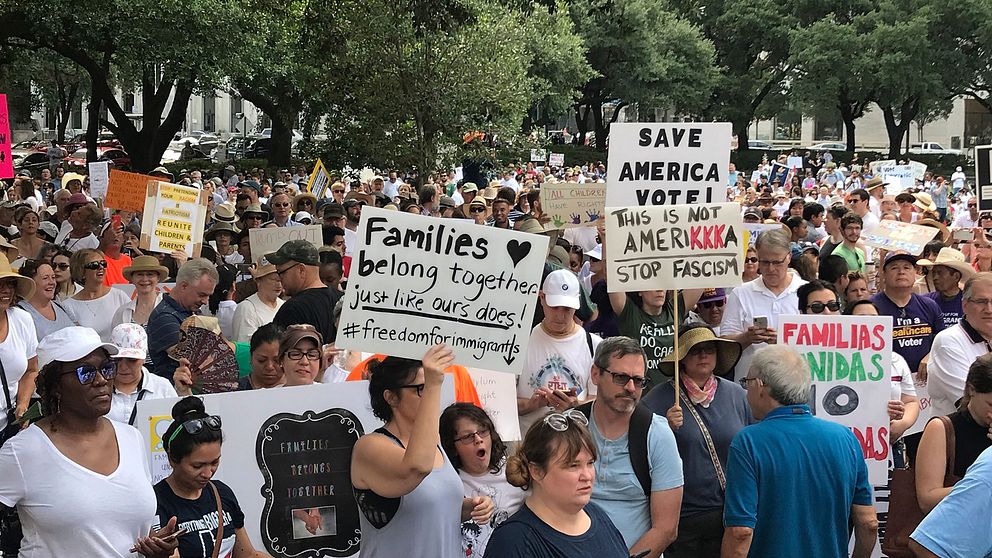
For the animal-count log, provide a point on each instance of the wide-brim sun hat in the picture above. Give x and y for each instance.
(728, 352)
(25, 285)
(145, 263)
(954, 259)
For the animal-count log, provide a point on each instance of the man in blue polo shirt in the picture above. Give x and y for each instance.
(793, 480)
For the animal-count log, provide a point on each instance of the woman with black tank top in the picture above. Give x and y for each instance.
(972, 427)
(408, 491)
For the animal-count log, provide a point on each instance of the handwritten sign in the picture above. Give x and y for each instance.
(319, 180)
(498, 394)
(126, 190)
(850, 360)
(900, 177)
(538, 155)
(896, 235)
(795, 162)
(573, 205)
(418, 281)
(556, 159)
(267, 240)
(673, 246)
(919, 170)
(99, 178)
(174, 218)
(667, 163)
(883, 166)
(6, 156)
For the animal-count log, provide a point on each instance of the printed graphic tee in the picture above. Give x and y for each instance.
(199, 518)
(557, 364)
(913, 326)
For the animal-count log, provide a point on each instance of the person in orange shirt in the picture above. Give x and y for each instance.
(464, 387)
(111, 240)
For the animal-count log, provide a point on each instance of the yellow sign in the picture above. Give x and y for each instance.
(174, 219)
(319, 180)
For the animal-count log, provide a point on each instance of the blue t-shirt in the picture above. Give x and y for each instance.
(950, 308)
(913, 327)
(617, 489)
(525, 535)
(793, 478)
(959, 526)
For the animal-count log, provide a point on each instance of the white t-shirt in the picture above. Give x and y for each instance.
(98, 313)
(350, 241)
(151, 386)
(506, 498)
(249, 315)
(20, 346)
(556, 364)
(951, 355)
(68, 510)
(902, 378)
(964, 220)
(958, 179)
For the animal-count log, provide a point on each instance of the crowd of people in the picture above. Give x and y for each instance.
(619, 457)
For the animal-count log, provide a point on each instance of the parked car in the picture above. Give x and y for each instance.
(267, 133)
(22, 148)
(259, 149)
(829, 146)
(932, 148)
(235, 147)
(34, 162)
(117, 157)
(758, 144)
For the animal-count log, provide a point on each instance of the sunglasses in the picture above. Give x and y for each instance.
(622, 379)
(195, 426)
(338, 191)
(476, 210)
(751, 260)
(61, 266)
(87, 372)
(93, 266)
(714, 303)
(559, 422)
(819, 307)
(306, 202)
(280, 205)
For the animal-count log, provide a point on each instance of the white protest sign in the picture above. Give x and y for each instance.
(900, 177)
(173, 218)
(99, 178)
(556, 159)
(266, 240)
(795, 162)
(919, 170)
(569, 204)
(883, 167)
(756, 229)
(286, 450)
(667, 163)
(850, 362)
(418, 281)
(898, 236)
(672, 247)
(538, 155)
(498, 395)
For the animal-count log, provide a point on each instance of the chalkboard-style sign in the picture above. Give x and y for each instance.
(309, 511)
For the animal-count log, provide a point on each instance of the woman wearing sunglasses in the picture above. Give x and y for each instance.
(818, 297)
(556, 462)
(750, 265)
(193, 444)
(96, 303)
(405, 485)
(80, 481)
(66, 287)
(712, 410)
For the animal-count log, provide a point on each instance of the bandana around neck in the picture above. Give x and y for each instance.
(699, 396)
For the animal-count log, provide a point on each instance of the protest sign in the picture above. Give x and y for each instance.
(538, 155)
(674, 246)
(6, 156)
(570, 204)
(983, 176)
(498, 395)
(850, 361)
(779, 173)
(900, 178)
(99, 178)
(418, 281)
(556, 159)
(319, 180)
(269, 239)
(173, 218)
(896, 235)
(667, 163)
(286, 450)
(881, 167)
(755, 230)
(127, 190)
(919, 170)
(794, 162)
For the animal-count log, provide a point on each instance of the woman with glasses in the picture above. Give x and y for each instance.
(47, 314)
(405, 485)
(305, 202)
(712, 410)
(300, 355)
(555, 462)
(818, 297)
(469, 438)
(477, 210)
(188, 495)
(96, 303)
(750, 265)
(280, 205)
(63, 277)
(80, 481)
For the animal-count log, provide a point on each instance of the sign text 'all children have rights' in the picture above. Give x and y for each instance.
(668, 163)
(418, 281)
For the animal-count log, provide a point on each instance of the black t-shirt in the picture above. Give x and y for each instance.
(199, 518)
(314, 307)
(526, 535)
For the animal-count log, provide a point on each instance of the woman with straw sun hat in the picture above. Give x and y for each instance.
(18, 345)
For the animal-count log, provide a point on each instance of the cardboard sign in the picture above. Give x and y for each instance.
(319, 180)
(573, 205)
(900, 178)
(919, 170)
(6, 156)
(667, 163)
(850, 362)
(269, 239)
(983, 176)
(173, 219)
(538, 155)
(498, 394)
(794, 162)
(674, 246)
(287, 454)
(126, 190)
(99, 178)
(556, 159)
(896, 235)
(418, 281)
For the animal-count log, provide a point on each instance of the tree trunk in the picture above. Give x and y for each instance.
(897, 130)
(65, 111)
(741, 129)
(92, 127)
(599, 126)
(281, 152)
(847, 115)
(581, 125)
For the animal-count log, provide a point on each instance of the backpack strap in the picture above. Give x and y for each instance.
(637, 442)
(592, 352)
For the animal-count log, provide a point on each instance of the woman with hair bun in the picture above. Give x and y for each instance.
(556, 462)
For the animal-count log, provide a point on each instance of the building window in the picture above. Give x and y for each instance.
(209, 113)
(788, 126)
(828, 129)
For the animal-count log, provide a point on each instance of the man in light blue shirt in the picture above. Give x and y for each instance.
(959, 526)
(619, 369)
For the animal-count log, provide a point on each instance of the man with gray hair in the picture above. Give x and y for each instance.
(195, 282)
(794, 480)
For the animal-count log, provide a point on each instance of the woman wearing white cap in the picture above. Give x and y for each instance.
(80, 482)
(133, 382)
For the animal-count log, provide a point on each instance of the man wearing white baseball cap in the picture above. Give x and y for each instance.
(133, 383)
(558, 362)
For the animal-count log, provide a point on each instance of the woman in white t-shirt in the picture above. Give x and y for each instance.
(95, 304)
(81, 483)
(18, 344)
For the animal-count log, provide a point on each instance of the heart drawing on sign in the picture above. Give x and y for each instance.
(517, 250)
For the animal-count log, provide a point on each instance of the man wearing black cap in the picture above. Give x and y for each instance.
(332, 214)
(916, 319)
(311, 302)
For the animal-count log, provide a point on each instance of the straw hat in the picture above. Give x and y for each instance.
(25, 285)
(945, 233)
(534, 226)
(727, 352)
(225, 212)
(924, 202)
(218, 227)
(145, 263)
(875, 182)
(305, 196)
(954, 259)
(257, 210)
(263, 268)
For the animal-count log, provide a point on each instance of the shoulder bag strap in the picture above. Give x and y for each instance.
(6, 393)
(951, 442)
(220, 520)
(710, 446)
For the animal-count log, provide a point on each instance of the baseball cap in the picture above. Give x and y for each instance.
(469, 187)
(333, 210)
(250, 184)
(296, 333)
(303, 217)
(78, 198)
(300, 251)
(263, 268)
(596, 253)
(70, 344)
(561, 288)
(131, 341)
(709, 295)
(446, 202)
(896, 256)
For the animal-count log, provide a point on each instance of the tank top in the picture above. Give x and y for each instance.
(970, 440)
(426, 523)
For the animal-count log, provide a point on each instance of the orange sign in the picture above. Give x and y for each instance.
(127, 190)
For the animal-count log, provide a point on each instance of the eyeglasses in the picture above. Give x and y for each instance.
(715, 303)
(280, 205)
(418, 387)
(306, 202)
(279, 273)
(559, 421)
(743, 381)
(296, 354)
(751, 260)
(981, 301)
(701, 349)
(482, 433)
(194, 427)
(253, 216)
(772, 263)
(476, 210)
(61, 266)
(93, 266)
(622, 379)
(819, 307)
(87, 372)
